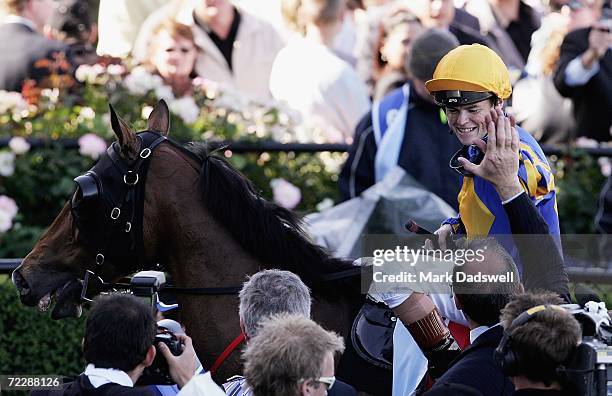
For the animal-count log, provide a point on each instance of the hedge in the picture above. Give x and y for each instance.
(33, 343)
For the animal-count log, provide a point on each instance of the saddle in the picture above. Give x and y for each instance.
(372, 334)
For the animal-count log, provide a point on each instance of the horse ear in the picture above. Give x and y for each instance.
(125, 136)
(159, 119)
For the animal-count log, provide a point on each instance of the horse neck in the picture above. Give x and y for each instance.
(196, 250)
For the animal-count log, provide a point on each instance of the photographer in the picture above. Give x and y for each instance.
(539, 339)
(118, 346)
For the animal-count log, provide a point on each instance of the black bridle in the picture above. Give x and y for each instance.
(108, 208)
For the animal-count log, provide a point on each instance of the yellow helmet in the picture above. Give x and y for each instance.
(468, 74)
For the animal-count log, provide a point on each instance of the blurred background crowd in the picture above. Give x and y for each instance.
(329, 59)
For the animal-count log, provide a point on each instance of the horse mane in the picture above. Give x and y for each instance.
(270, 233)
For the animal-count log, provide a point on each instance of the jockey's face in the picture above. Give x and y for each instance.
(468, 122)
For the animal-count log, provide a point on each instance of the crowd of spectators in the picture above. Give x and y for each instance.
(336, 55)
(328, 59)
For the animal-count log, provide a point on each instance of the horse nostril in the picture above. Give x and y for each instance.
(20, 283)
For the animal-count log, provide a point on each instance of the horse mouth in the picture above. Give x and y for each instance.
(65, 301)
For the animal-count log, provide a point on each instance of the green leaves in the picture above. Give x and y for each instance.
(579, 181)
(32, 343)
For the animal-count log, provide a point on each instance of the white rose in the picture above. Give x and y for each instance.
(12, 102)
(87, 113)
(89, 74)
(91, 145)
(7, 163)
(5, 222)
(19, 145)
(115, 70)
(186, 108)
(81, 73)
(164, 92)
(140, 81)
(285, 194)
(8, 206)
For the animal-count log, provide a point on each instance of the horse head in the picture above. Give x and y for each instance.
(102, 211)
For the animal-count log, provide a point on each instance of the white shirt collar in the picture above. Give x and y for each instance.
(101, 376)
(477, 332)
(19, 19)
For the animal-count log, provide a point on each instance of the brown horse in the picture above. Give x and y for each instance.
(205, 224)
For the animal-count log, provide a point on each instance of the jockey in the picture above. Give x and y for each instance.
(467, 83)
(471, 83)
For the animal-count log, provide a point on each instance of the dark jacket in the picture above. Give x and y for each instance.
(476, 366)
(543, 266)
(21, 47)
(82, 386)
(592, 101)
(426, 149)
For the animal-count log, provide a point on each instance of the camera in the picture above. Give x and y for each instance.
(146, 285)
(590, 371)
(158, 372)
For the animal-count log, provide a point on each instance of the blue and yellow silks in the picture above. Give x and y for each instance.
(480, 209)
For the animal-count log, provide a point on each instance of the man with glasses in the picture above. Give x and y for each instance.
(291, 356)
(471, 83)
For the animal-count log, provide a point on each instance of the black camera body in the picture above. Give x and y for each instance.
(590, 371)
(158, 372)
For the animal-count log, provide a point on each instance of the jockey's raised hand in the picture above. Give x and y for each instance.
(501, 155)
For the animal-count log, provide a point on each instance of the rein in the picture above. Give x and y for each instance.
(197, 291)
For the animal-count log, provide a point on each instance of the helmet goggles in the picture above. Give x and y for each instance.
(454, 98)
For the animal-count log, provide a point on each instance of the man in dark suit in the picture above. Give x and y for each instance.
(21, 44)
(584, 74)
(476, 366)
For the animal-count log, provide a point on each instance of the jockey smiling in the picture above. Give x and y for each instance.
(468, 82)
